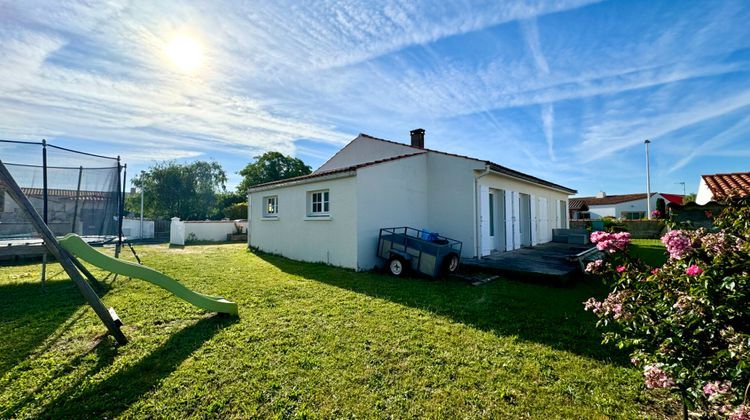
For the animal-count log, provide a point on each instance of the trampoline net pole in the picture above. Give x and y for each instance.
(45, 198)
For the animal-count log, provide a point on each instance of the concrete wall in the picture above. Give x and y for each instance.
(131, 228)
(363, 149)
(388, 195)
(182, 232)
(331, 240)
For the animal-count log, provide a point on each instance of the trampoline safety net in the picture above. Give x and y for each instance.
(82, 193)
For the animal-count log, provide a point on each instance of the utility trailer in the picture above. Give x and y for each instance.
(407, 248)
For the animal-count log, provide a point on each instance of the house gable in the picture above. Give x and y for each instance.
(365, 149)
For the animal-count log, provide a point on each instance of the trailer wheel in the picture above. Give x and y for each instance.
(450, 264)
(396, 266)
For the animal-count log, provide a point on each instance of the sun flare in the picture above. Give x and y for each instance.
(185, 52)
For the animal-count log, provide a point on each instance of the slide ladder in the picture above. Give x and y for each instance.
(79, 248)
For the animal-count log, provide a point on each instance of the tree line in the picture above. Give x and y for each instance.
(197, 190)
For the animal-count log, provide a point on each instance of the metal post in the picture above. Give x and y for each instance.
(119, 206)
(648, 182)
(45, 196)
(141, 213)
(122, 201)
(78, 196)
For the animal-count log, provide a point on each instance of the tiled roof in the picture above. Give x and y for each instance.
(725, 185)
(71, 194)
(622, 198)
(577, 204)
(494, 166)
(332, 171)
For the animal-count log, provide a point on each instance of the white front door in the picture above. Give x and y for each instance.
(516, 220)
(509, 225)
(544, 231)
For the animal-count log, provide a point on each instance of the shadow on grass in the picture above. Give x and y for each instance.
(30, 315)
(549, 315)
(115, 394)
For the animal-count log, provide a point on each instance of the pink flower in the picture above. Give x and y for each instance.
(741, 413)
(655, 271)
(595, 267)
(610, 242)
(612, 305)
(716, 387)
(678, 243)
(656, 214)
(620, 268)
(655, 377)
(693, 270)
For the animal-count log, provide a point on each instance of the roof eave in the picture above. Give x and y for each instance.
(528, 178)
(291, 183)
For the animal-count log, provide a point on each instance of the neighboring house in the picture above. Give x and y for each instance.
(95, 211)
(720, 186)
(578, 209)
(625, 206)
(334, 214)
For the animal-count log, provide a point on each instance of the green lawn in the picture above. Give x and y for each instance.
(651, 251)
(311, 340)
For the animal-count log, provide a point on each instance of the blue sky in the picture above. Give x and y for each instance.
(564, 90)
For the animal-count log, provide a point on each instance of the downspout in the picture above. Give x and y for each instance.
(477, 216)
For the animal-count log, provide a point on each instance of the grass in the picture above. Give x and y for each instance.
(311, 341)
(651, 251)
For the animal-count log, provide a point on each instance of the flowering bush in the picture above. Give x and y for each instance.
(686, 323)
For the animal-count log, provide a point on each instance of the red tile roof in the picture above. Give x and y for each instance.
(577, 204)
(726, 185)
(332, 171)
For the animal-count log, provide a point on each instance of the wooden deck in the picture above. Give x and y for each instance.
(550, 261)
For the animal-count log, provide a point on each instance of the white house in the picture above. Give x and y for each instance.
(624, 206)
(334, 214)
(720, 186)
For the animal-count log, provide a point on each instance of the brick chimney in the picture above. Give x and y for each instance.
(417, 138)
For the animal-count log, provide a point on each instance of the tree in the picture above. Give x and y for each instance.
(271, 166)
(689, 198)
(189, 191)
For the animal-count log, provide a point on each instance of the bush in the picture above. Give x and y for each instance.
(236, 211)
(687, 323)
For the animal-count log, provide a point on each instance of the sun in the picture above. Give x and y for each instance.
(185, 52)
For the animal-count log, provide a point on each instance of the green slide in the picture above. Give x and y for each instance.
(79, 248)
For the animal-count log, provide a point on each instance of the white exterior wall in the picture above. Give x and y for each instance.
(294, 235)
(131, 228)
(704, 193)
(388, 195)
(598, 212)
(211, 231)
(451, 199)
(554, 217)
(363, 149)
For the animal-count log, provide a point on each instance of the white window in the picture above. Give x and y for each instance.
(318, 203)
(271, 206)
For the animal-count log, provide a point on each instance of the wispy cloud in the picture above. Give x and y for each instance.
(504, 80)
